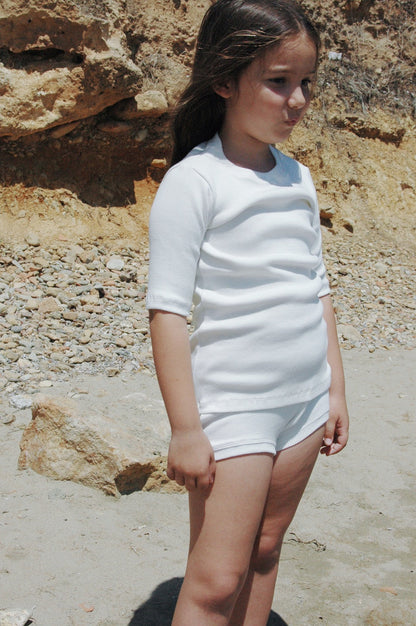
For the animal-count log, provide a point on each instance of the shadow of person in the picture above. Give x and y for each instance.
(158, 609)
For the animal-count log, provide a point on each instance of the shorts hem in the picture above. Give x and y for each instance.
(305, 432)
(243, 448)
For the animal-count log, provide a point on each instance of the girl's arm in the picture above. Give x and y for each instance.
(191, 458)
(336, 430)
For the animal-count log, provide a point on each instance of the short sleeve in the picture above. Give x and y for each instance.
(320, 268)
(179, 218)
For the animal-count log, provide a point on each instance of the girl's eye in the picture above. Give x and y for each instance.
(307, 83)
(278, 81)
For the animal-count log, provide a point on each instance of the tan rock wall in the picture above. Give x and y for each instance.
(86, 90)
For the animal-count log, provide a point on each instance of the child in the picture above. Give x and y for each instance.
(235, 230)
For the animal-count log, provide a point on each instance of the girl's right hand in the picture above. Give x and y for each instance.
(191, 459)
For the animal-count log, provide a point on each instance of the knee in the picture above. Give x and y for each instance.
(218, 590)
(266, 553)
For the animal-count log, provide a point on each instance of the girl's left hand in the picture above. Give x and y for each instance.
(336, 428)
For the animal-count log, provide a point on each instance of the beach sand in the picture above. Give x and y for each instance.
(79, 557)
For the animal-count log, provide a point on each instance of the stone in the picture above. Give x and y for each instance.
(7, 419)
(65, 443)
(151, 103)
(113, 127)
(64, 129)
(349, 333)
(381, 269)
(32, 239)
(48, 305)
(21, 401)
(115, 263)
(32, 304)
(15, 617)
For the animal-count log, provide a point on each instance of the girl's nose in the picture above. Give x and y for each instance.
(297, 98)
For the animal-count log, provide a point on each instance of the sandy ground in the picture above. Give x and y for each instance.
(83, 558)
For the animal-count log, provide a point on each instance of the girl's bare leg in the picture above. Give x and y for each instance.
(224, 525)
(291, 470)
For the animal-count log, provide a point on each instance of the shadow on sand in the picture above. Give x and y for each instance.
(158, 609)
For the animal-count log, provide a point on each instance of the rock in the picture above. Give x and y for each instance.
(21, 401)
(327, 212)
(7, 419)
(115, 263)
(151, 103)
(349, 333)
(32, 304)
(377, 126)
(114, 128)
(64, 63)
(65, 444)
(48, 305)
(159, 163)
(32, 239)
(112, 371)
(381, 269)
(64, 129)
(15, 617)
(70, 316)
(45, 383)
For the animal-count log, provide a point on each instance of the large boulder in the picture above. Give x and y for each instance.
(65, 443)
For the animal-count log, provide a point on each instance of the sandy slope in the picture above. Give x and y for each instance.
(82, 558)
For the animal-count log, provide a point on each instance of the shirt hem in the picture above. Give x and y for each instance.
(260, 402)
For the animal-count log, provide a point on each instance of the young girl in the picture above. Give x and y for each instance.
(234, 230)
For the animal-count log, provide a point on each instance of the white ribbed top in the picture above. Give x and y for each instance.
(245, 248)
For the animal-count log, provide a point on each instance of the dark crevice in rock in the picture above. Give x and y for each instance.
(26, 59)
(132, 479)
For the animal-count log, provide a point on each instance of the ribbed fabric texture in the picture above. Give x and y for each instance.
(245, 248)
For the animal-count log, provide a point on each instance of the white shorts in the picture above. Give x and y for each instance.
(266, 430)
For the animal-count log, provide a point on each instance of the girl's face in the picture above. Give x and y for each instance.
(272, 95)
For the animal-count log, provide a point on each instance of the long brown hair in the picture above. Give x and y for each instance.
(233, 34)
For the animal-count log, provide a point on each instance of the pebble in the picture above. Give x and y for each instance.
(115, 263)
(72, 307)
(69, 307)
(373, 291)
(20, 402)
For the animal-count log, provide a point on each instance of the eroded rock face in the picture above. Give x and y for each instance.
(68, 61)
(109, 454)
(60, 64)
(85, 88)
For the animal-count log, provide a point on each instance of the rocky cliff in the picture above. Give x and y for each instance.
(85, 94)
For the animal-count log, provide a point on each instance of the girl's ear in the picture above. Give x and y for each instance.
(225, 90)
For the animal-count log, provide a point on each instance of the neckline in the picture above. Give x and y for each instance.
(273, 151)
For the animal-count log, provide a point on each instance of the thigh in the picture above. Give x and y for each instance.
(224, 523)
(292, 468)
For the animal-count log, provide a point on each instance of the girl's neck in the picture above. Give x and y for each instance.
(253, 155)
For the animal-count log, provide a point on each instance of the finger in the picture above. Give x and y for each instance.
(190, 483)
(180, 479)
(170, 473)
(212, 470)
(338, 445)
(202, 482)
(334, 449)
(329, 432)
(206, 479)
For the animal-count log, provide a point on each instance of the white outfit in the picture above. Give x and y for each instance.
(266, 431)
(245, 248)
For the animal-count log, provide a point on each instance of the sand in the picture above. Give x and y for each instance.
(78, 557)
